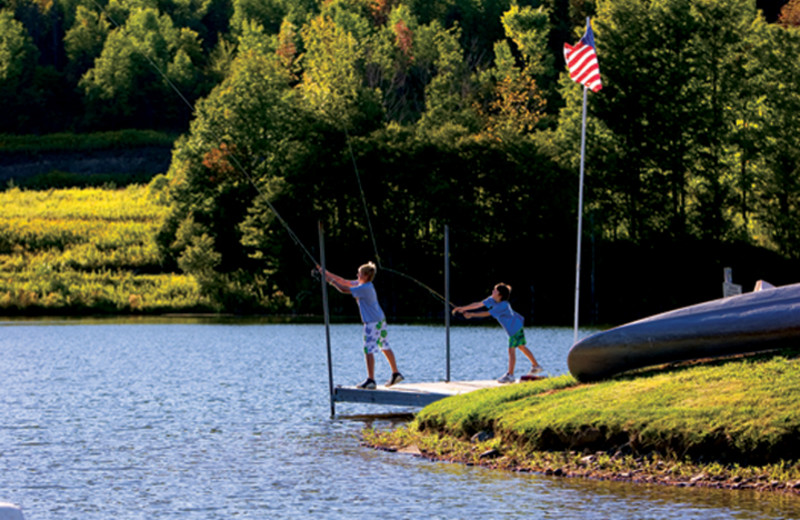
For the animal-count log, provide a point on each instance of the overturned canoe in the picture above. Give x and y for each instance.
(751, 322)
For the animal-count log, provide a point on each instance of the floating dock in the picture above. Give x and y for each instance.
(409, 394)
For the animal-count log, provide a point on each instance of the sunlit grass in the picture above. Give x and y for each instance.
(751, 406)
(131, 203)
(745, 409)
(86, 250)
(733, 420)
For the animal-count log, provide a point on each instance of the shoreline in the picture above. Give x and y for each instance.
(595, 466)
(724, 424)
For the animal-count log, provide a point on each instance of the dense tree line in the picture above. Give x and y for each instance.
(387, 120)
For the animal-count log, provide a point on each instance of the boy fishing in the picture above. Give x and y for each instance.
(512, 322)
(375, 331)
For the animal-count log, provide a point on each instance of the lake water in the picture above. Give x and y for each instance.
(144, 419)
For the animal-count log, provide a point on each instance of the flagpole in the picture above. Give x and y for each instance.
(580, 218)
(583, 68)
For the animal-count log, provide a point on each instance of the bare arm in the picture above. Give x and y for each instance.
(471, 307)
(482, 314)
(341, 284)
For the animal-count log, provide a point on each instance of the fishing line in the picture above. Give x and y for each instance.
(421, 284)
(363, 198)
(372, 235)
(264, 196)
(235, 160)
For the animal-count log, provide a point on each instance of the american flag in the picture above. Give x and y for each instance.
(582, 61)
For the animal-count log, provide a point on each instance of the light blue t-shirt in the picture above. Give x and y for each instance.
(368, 305)
(510, 320)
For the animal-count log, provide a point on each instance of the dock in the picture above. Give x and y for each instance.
(401, 394)
(409, 394)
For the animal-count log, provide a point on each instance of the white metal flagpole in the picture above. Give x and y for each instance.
(580, 217)
(583, 68)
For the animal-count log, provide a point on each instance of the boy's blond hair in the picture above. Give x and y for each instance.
(505, 291)
(368, 271)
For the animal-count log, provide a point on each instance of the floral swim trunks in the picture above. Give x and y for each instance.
(517, 340)
(376, 337)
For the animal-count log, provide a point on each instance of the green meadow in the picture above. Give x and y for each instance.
(87, 251)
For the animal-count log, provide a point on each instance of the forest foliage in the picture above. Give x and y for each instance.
(387, 120)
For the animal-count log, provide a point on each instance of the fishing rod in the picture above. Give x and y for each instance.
(232, 156)
(237, 163)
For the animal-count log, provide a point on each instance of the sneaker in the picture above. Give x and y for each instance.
(367, 384)
(396, 378)
(537, 369)
(508, 378)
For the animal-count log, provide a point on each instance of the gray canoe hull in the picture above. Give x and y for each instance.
(749, 322)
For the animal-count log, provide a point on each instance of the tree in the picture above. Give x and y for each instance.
(84, 41)
(515, 104)
(288, 48)
(248, 133)
(405, 51)
(142, 62)
(17, 67)
(479, 23)
(715, 183)
(448, 96)
(673, 88)
(332, 78)
(790, 14)
(648, 103)
(270, 14)
(43, 23)
(777, 61)
(529, 29)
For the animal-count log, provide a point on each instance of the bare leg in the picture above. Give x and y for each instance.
(370, 361)
(512, 360)
(391, 359)
(529, 355)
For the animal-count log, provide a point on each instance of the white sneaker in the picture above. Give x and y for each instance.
(508, 378)
(396, 378)
(535, 370)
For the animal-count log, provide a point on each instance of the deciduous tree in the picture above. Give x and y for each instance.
(142, 63)
(18, 58)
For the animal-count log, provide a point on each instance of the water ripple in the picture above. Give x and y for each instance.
(218, 421)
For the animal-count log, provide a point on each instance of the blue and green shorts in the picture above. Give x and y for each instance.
(376, 337)
(517, 339)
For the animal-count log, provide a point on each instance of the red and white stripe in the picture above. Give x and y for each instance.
(582, 65)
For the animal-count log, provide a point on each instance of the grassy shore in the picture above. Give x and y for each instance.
(730, 423)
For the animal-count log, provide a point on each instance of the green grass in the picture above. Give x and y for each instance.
(730, 423)
(747, 410)
(85, 251)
